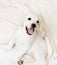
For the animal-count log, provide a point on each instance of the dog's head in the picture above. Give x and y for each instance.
(31, 24)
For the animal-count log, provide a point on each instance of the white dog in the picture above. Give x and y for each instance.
(22, 40)
(24, 37)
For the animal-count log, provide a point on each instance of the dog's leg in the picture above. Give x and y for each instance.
(11, 44)
(40, 54)
(28, 58)
(23, 58)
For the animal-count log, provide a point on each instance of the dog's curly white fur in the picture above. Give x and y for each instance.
(24, 37)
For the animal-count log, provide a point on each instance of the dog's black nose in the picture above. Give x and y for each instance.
(33, 25)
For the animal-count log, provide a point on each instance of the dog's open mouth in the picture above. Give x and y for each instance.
(29, 30)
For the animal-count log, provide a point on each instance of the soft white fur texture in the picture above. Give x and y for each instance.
(20, 42)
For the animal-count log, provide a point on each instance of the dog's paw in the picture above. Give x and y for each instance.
(26, 59)
(20, 62)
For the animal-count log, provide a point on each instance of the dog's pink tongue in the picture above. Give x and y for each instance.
(30, 31)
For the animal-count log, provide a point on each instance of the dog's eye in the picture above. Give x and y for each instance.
(37, 21)
(29, 18)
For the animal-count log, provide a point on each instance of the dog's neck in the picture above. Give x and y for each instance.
(24, 37)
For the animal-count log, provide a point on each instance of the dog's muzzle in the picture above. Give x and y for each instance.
(30, 30)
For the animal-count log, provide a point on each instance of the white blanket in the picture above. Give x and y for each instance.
(11, 16)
